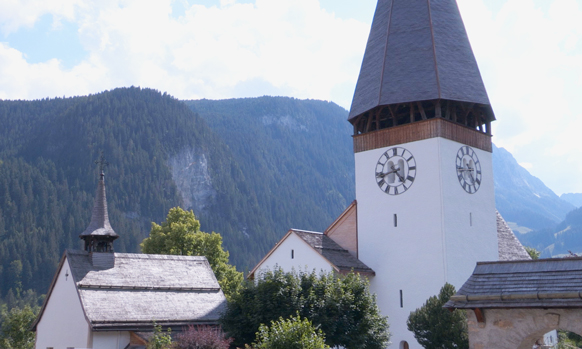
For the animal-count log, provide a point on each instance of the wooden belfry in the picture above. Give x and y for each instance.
(420, 71)
(99, 235)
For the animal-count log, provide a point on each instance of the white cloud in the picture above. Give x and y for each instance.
(531, 61)
(290, 46)
(16, 14)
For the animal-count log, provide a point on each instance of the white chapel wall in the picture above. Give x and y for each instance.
(304, 257)
(110, 340)
(63, 324)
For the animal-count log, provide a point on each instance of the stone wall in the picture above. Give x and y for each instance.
(519, 328)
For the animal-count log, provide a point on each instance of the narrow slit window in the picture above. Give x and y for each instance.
(471, 219)
(401, 300)
(292, 254)
(395, 220)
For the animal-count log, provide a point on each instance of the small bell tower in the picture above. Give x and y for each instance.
(99, 235)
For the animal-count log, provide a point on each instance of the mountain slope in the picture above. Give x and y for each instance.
(573, 198)
(522, 198)
(48, 178)
(559, 240)
(297, 154)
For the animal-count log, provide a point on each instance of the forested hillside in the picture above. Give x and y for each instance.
(296, 153)
(162, 154)
(48, 176)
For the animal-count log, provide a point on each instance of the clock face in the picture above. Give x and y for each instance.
(468, 169)
(395, 171)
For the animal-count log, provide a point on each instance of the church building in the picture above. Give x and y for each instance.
(425, 206)
(100, 299)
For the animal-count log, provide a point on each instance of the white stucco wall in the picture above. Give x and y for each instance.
(305, 258)
(433, 241)
(110, 340)
(63, 322)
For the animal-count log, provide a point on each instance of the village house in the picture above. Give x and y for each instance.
(100, 299)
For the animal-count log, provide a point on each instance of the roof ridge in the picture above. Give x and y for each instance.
(144, 288)
(158, 256)
(307, 231)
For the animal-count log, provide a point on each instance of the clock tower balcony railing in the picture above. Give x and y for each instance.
(475, 116)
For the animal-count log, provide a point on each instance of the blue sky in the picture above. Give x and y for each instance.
(529, 53)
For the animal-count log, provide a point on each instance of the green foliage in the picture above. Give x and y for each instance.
(437, 328)
(160, 340)
(341, 307)
(533, 253)
(15, 330)
(568, 340)
(180, 235)
(294, 333)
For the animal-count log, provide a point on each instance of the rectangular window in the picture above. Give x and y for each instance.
(401, 300)
(292, 254)
(395, 220)
(471, 219)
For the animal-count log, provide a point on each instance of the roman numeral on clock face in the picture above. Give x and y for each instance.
(468, 169)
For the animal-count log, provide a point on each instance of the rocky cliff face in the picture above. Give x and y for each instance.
(192, 178)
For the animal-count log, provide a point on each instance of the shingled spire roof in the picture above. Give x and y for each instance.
(418, 50)
(99, 228)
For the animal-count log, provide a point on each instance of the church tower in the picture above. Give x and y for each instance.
(99, 235)
(422, 144)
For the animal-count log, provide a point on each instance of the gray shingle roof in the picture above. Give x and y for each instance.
(510, 248)
(333, 252)
(417, 50)
(172, 290)
(547, 283)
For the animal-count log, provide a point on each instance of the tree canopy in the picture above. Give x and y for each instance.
(180, 235)
(341, 306)
(15, 330)
(437, 328)
(293, 333)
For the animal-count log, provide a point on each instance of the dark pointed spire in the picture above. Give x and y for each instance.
(99, 235)
(418, 50)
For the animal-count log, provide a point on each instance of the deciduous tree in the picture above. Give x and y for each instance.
(293, 333)
(437, 328)
(180, 234)
(15, 331)
(341, 306)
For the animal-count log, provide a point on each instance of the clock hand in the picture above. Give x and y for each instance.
(382, 175)
(395, 170)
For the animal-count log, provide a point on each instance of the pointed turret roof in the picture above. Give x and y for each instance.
(418, 50)
(100, 225)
